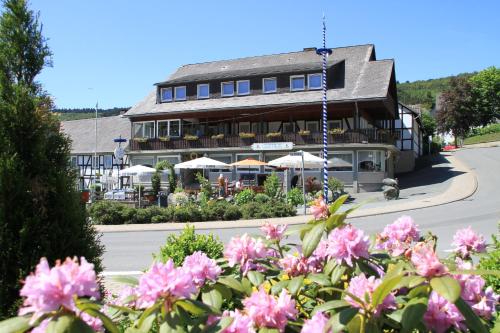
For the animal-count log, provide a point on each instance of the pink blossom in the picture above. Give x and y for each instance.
(487, 304)
(466, 242)
(50, 288)
(201, 268)
(164, 281)
(243, 251)
(267, 311)
(316, 324)
(398, 236)
(347, 243)
(441, 314)
(319, 209)
(363, 288)
(240, 324)
(93, 322)
(273, 231)
(426, 261)
(126, 297)
(295, 266)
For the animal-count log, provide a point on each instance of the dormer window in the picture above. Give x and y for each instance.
(269, 85)
(243, 87)
(203, 91)
(166, 94)
(227, 89)
(314, 81)
(180, 93)
(297, 82)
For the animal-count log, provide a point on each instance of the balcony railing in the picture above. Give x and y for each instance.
(350, 136)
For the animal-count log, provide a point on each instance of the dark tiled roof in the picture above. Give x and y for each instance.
(364, 79)
(82, 133)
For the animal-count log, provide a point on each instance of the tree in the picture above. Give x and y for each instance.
(486, 95)
(428, 124)
(40, 211)
(457, 114)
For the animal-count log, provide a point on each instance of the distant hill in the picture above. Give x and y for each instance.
(84, 113)
(424, 92)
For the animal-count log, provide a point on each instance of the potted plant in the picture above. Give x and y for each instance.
(273, 134)
(190, 137)
(141, 140)
(247, 135)
(304, 132)
(218, 136)
(164, 138)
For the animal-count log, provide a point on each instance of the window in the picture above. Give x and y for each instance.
(333, 124)
(180, 93)
(144, 129)
(312, 126)
(314, 81)
(371, 161)
(203, 91)
(166, 94)
(108, 161)
(148, 161)
(74, 162)
(297, 83)
(341, 161)
(274, 126)
(224, 159)
(227, 89)
(244, 127)
(174, 128)
(289, 127)
(169, 128)
(243, 87)
(269, 85)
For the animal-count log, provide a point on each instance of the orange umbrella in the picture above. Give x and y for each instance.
(248, 162)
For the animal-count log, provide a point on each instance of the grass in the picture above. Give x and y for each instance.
(482, 138)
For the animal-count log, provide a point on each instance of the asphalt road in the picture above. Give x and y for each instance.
(132, 251)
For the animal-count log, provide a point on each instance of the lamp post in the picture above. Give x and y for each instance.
(324, 52)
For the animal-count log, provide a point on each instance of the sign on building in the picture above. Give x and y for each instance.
(272, 146)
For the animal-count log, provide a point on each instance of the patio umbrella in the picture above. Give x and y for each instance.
(138, 170)
(339, 163)
(248, 162)
(201, 163)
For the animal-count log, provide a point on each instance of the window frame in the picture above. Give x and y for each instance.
(335, 121)
(175, 93)
(161, 95)
(312, 122)
(198, 91)
(245, 123)
(168, 121)
(142, 134)
(382, 160)
(332, 154)
(309, 81)
(238, 88)
(221, 169)
(303, 77)
(222, 88)
(264, 85)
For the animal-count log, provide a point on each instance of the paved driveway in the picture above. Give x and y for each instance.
(131, 251)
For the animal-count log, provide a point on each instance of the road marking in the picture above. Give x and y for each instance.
(121, 273)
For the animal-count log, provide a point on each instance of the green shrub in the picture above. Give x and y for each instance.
(261, 198)
(232, 213)
(110, 212)
(493, 128)
(295, 197)
(492, 262)
(272, 185)
(156, 182)
(214, 210)
(335, 185)
(187, 213)
(179, 246)
(205, 186)
(273, 208)
(249, 210)
(244, 197)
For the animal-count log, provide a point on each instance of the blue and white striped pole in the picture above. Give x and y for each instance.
(324, 52)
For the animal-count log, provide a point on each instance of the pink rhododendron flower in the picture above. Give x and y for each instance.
(441, 314)
(316, 324)
(243, 250)
(50, 288)
(93, 322)
(398, 236)
(201, 268)
(164, 281)
(466, 241)
(347, 243)
(486, 306)
(426, 261)
(299, 265)
(363, 288)
(273, 231)
(267, 311)
(240, 324)
(319, 209)
(126, 297)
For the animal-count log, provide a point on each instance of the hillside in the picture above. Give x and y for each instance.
(424, 92)
(84, 113)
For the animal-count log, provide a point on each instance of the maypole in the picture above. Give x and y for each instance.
(324, 52)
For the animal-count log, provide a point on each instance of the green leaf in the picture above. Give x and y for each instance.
(384, 289)
(223, 323)
(268, 330)
(212, 298)
(257, 278)
(370, 327)
(195, 307)
(413, 314)
(330, 305)
(471, 319)
(276, 289)
(420, 291)
(312, 239)
(338, 203)
(16, 324)
(339, 321)
(337, 274)
(410, 281)
(295, 284)
(68, 324)
(247, 286)
(305, 229)
(125, 279)
(320, 279)
(447, 287)
(231, 283)
(329, 267)
(335, 221)
(108, 324)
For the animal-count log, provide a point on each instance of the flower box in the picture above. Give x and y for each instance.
(191, 137)
(141, 140)
(164, 138)
(273, 134)
(336, 131)
(218, 136)
(245, 135)
(304, 133)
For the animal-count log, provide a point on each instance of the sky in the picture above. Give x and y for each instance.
(113, 51)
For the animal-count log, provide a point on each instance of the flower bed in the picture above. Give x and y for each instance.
(335, 280)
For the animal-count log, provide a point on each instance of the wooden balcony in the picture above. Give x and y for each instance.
(350, 136)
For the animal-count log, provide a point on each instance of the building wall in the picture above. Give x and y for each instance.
(87, 166)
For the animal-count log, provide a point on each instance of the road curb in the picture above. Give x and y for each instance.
(461, 187)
